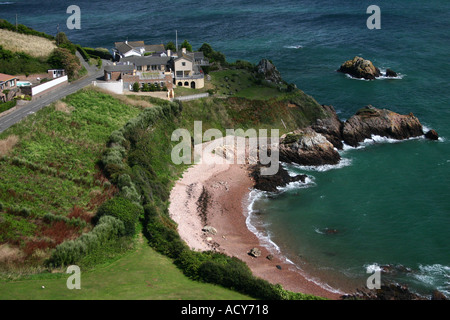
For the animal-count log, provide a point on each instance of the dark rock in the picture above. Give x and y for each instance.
(437, 295)
(255, 252)
(278, 267)
(331, 127)
(360, 68)
(271, 182)
(391, 73)
(331, 231)
(269, 257)
(390, 291)
(307, 147)
(269, 71)
(432, 135)
(370, 121)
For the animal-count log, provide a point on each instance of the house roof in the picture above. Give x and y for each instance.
(186, 56)
(147, 61)
(154, 48)
(6, 77)
(123, 47)
(119, 68)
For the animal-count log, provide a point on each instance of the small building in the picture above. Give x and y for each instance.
(56, 73)
(116, 72)
(8, 87)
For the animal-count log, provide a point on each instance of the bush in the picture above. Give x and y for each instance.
(136, 87)
(108, 230)
(122, 209)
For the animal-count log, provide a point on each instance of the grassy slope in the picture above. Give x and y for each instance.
(33, 45)
(53, 168)
(138, 275)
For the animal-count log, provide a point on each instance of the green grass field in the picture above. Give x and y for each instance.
(141, 274)
(52, 169)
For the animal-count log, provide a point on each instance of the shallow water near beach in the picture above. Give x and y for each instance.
(388, 201)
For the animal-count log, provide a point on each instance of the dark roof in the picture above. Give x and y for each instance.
(154, 48)
(147, 61)
(122, 47)
(136, 44)
(186, 56)
(199, 55)
(119, 68)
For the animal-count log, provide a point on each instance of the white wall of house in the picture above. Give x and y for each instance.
(48, 85)
(114, 86)
(183, 65)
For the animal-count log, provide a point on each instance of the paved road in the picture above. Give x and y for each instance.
(32, 107)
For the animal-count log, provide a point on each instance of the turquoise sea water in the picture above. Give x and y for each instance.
(389, 201)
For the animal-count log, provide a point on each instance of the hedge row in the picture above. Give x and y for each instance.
(108, 229)
(101, 53)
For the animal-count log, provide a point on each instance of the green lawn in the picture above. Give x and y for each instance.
(139, 275)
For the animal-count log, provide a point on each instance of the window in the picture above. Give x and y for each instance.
(183, 64)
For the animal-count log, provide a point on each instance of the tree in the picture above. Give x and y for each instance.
(170, 46)
(62, 58)
(186, 45)
(207, 50)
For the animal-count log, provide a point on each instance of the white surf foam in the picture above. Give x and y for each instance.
(293, 47)
(326, 167)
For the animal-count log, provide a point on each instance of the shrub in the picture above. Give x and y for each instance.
(136, 87)
(108, 229)
(122, 209)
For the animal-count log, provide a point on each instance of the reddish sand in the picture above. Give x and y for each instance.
(228, 187)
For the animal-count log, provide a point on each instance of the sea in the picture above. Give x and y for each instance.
(386, 206)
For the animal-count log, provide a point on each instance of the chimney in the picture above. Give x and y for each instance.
(183, 50)
(169, 53)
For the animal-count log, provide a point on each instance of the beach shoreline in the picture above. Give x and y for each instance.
(217, 195)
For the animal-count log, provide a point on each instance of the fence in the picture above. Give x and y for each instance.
(192, 97)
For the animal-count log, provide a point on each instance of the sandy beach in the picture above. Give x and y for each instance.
(223, 190)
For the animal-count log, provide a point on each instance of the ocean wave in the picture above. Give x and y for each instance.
(376, 139)
(297, 185)
(382, 77)
(345, 162)
(293, 47)
(436, 276)
(8, 2)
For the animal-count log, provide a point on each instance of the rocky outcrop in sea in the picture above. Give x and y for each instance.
(364, 69)
(370, 121)
(307, 147)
